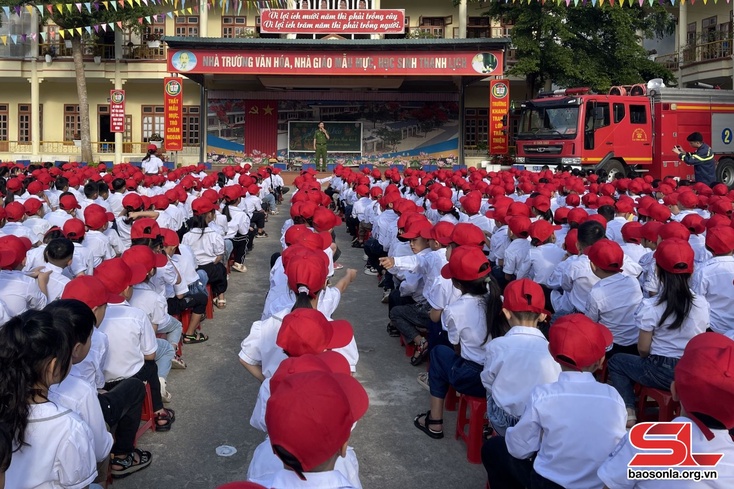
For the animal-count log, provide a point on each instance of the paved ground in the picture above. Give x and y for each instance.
(214, 397)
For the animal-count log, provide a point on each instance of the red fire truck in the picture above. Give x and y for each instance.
(630, 129)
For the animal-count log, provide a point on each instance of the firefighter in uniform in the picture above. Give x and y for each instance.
(320, 137)
(701, 159)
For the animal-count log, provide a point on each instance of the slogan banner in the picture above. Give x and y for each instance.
(499, 106)
(287, 21)
(336, 63)
(117, 110)
(173, 113)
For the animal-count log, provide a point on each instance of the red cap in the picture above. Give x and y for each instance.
(325, 220)
(417, 228)
(573, 200)
(571, 242)
(466, 264)
(90, 290)
(524, 295)
(231, 193)
(561, 215)
(202, 206)
(704, 380)
(145, 228)
(14, 211)
(152, 147)
(306, 331)
(13, 251)
(606, 255)
(688, 199)
(253, 189)
(625, 206)
(721, 206)
(116, 277)
(519, 225)
(720, 240)
(471, 205)
(35, 187)
(658, 212)
(328, 361)
(170, 237)
(375, 192)
(674, 256)
(74, 228)
(68, 202)
(14, 184)
(598, 218)
(133, 201)
(443, 205)
(440, 232)
(541, 230)
(145, 257)
(333, 403)
(577, 215)
(32, 206)
(694, 222)
(674, 229)
(306, 275)
(578, 342)
(651, 231)
(541, 203)
(467, 234)
(631, 232)
(518, 209)
(96, 216)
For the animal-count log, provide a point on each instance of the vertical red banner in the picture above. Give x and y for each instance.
(173, 107)
(499, 105)
(117, 110)
(261, 127)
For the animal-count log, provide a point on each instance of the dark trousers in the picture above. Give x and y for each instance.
(121, 408)
(507, 472)
(447, 368)
(374, 251)
(147, 373)
(240, 242)
(217, 274)
(437, 336)
(352, 226)
(257, 220)
(396, 299)
(196, 302)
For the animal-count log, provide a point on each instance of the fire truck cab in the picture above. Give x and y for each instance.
(630, 129)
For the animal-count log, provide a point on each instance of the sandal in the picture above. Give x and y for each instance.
(420, 353)
(197, 337)
(168, 416)
(392, 330)
(220, 303)
(423, 380)
(128, 463)
(436, 435)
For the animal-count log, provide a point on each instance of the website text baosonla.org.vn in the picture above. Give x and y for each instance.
(672, 474)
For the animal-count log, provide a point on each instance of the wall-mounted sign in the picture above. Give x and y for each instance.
(302, 21)
(173, 113)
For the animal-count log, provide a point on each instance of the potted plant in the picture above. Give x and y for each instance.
(156, 139)
(153, 39)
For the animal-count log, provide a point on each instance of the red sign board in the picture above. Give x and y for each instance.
(173, 110)
(117, 110)
(292, 21)
(499, 106)
(336, 63)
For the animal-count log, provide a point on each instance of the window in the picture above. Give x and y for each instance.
(4, 118)
(618, 113)
(187, 26)
(433, 26)
(597, 115)
(638, 114)
(233, 26)
(25, 123)
(708, 28)
(691, 34)
(191, 125)
(153, 121)
(157, 26)
(478, 27)
(72, 122)
(476, 127)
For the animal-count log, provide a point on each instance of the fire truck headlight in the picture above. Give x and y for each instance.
(519, 159)
(571, 161)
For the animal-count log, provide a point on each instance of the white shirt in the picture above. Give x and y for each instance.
(498, 244)
(570, 443)
(515, 364)
(671, 342)
(38, 226)
(540, 262)
(515, 254)
(99, 247)
(186, 265)
(287, 479)
(114, 200)
(152, 165)
(206, 248)
(465, 320)
(614, 229)
(58, 218)
(59, 454)
(438, 291)
(634, 251)
(20, 292)
(613, 302)
(130, 332)
(82, 263)
(613, 472)
(714, 281)
(149, 301)
(90, 369)
(80, 397)
(56, 281)
(21, 231)
(251, 203)
(239, 224)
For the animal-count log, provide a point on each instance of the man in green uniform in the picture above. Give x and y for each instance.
(320, 137)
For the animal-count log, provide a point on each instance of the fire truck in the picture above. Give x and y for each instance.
(632, 129)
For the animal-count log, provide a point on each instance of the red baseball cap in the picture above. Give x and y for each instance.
(325, 220)
(571, 242)
(524, 295)
(471, 204)
(133, 201)
(720, 240)
(440, 232)
(577, 215)
(308, 331)
(541, 230)
(231, 193)
(674, 256)
(333, 403)
(688, 199)
(74, 228)
(90, 290)
(704, 380)
(631, 232)
(116, 276)
(518, 209)
(578, 342)
(658, 212)
(598, 218)
(12, 252)
(651, 231)
(467, 234)
(573, 200)
(674, 229)
(327, 361)
(694, 222)
(307, 275)
(443, 204)
(96, 216)
(14, 211)
(170, 237)
(202, 206)
(417, 228)
(145, 228)
(375, 192)
(625, 205)
(144, 256)
(68, 202)
(541, 203)
(32, 206)
(607, 255)
(466, 264)
(519, 225)
(14, 184)
(561, 215)
(35, 187)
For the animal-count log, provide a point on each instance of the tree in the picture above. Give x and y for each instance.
(594, 46)
(70, 20)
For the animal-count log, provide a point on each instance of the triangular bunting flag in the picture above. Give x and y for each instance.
(14, 38)
(88, 29)
(189, 10)
(68, 6)
(96, 28)
(111, 25)
(29, 8)
(88, 6)
(170, 15)
(40, 9)
(119, 24)
(50, 8)
(106, 4)
(62, 33)
(43, 36)
(114, 6)
(6, 9)
(104, 27)
(78, 31)
(78, 7)
(4, 39)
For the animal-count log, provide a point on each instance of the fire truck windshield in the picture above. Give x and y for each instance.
(544, 121)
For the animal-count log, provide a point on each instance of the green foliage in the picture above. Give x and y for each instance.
(585, 45)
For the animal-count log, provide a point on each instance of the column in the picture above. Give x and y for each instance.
(376, 6)
(203, 122)
(462, 19)
(681, 40)
(203, 19)
(35, 89)
(119, 136)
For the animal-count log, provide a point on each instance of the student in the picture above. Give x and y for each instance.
(517, 360)
(133, 208)
(517, 251)
(83, 262)
(208, 248)
(97, 220)
(544, 254)
(547, 448)
(67, 210)
(54, 446)
(471, 321)
(631, 238)
(238, 225)
(59, 254)
(19, 290)
(713, 279)
(252, 205)
(623, 212)
(667, 322)
(34, 220)
(615, 298)
(15, 215)
(150, 163)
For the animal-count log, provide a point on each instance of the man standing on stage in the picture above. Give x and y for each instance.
(320, 137)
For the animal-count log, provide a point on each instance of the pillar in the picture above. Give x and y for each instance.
(118, 82)
(462, 19)
(203, 19)
(35, 88)
(682, 25)
(203, 123)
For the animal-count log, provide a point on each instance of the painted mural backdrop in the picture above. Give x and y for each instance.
(409, 133)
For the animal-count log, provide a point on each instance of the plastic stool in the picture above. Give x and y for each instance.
(147, 415)
(451, 400)
(210, 303)
(409, 347)
(667, 407)
(473, 438)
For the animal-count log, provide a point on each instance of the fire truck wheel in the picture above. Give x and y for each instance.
(725, 172)
(611, 169)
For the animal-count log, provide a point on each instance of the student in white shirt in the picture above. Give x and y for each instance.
(35, 221)
(238, 225)
(631, 238)
(713, 279)
(55, 447)
(15, 214)
(544, 254)
(468, 321)
(59, 254)
(83, 262)
(150, 163)
(517, 251)
(549, 446)
(68, 206)
(97, 220)
(20, 290)
(667, 322)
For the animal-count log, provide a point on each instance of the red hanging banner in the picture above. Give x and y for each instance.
(117, 110)
(261, 127)
(173, 107)
(499, 106)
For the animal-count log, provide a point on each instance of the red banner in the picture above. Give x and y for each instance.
(173, 107)
(117, 110)
(499, 106)
(336, 63)
(261, 127)
(290, 21)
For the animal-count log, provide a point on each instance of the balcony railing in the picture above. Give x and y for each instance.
(130, 50)
(69, 148)
(698, 53)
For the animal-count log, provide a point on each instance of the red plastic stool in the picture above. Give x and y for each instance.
(473, 438)
(451, 400)
(409, 347)
(210, 303)
(147, 415)
(667, 407)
